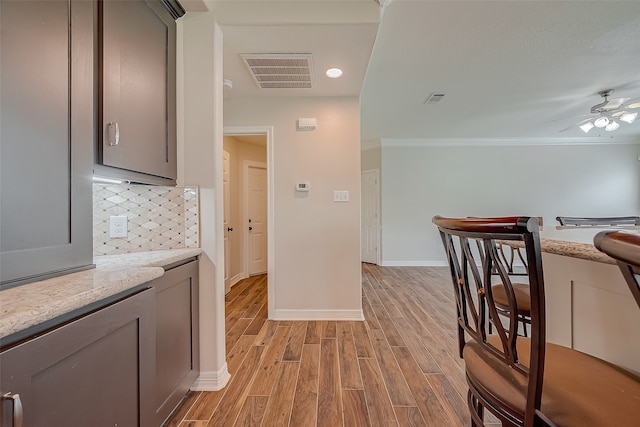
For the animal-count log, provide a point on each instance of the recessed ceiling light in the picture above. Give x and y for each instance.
(334, 73)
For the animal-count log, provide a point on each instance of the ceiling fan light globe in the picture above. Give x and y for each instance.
(586, 127)
(629, 117)
(613, 125)
(601, 122)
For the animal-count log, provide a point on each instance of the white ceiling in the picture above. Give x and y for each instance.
(509, 69)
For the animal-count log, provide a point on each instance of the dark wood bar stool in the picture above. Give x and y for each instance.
(624, 247)
(524, 381)
(510, 256)
(614, 220)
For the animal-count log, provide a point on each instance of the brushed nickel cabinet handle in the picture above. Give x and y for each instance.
(15, 403)
(113, 133)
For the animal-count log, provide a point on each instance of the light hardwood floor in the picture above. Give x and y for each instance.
(400, 367)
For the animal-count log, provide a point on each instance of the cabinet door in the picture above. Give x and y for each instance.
(95, 371)
(177, 349)
(138, 87)
(46, 134)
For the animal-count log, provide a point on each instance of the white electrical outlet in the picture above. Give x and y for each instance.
(118, 226)
(341, 196)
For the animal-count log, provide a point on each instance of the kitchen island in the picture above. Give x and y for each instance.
(589, 305)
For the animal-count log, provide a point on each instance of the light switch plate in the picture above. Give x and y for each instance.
(341, 196)
(118, 226)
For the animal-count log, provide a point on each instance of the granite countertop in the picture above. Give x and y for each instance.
(146, 259)
(28, 305)
(577, 242)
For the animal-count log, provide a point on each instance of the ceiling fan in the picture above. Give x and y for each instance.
(608, 113)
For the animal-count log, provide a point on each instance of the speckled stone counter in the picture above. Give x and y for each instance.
(146, 259)
(576, 242)
(29, 305)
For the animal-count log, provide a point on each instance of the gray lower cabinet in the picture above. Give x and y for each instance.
(177, 332)
(97, 370)
(47, 138)
(137, 131)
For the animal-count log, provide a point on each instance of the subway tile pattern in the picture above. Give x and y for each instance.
(158, 217)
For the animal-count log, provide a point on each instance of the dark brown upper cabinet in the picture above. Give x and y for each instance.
(137, 95)
(47, 136)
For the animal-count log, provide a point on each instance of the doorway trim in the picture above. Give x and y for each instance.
(271, 274)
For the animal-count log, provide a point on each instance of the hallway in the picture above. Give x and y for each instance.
(398, 367)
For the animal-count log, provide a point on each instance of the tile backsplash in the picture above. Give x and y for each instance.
(158, 217)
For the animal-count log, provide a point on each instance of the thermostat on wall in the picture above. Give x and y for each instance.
(302, 186)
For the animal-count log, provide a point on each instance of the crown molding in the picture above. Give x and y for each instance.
(498, 142)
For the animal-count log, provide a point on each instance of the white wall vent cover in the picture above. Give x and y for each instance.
(280, 70)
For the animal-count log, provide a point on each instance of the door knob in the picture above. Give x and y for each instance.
(229, 228)
(250, 228)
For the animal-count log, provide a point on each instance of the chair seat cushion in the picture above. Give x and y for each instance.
(523, 297)
(578, 389)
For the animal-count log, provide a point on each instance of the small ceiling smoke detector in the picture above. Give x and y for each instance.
(434, 98)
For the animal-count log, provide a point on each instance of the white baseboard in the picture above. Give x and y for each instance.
(212, 380)
(318, 315)
(414, 264)
(235, 279)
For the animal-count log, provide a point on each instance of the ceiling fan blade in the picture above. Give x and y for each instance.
(576, 125)
(572, 126)
(631, 103)
(570, 118)
(614, 103)
(565, 129)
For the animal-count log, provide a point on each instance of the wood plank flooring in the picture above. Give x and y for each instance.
(399, 367)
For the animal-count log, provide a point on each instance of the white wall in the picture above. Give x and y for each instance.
(421, 181)
(316, 255)
(199, 101)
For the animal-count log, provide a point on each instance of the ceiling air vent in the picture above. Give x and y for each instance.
(280, 71)
(434, 98)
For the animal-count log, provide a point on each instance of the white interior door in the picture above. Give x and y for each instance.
(256, 184)
(227, 213)
(370, 222)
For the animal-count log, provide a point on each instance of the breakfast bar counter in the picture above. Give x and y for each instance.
(575, 242)
(589, 305)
